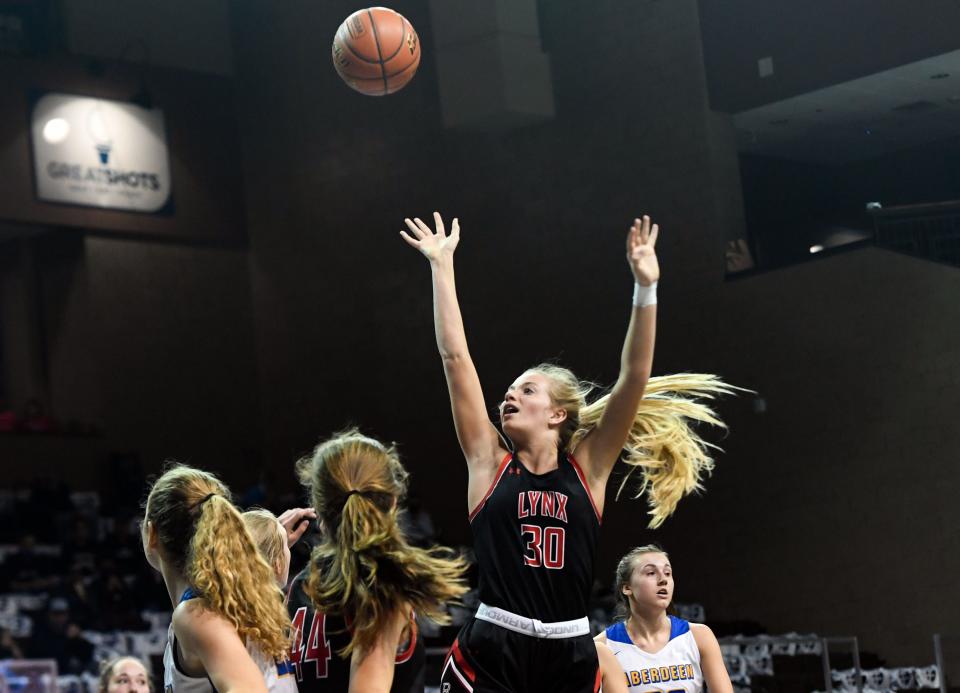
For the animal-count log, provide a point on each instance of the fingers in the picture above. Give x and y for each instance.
(294, 535)
(415, 229)
(420, 231)
(294, 515)
(642, 233)
(410, 241)
(296, 521)
(424, 229)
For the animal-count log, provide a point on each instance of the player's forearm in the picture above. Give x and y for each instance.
(448, 323)
(636, 359)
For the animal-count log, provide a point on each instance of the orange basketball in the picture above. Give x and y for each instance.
(376, 51)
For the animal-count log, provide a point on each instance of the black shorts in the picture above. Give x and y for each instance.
(486, 658)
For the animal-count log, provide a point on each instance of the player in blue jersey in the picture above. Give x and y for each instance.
(229, 624)
(659, 652)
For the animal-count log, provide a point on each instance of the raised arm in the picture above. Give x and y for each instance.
(478, 437)
(599, 451)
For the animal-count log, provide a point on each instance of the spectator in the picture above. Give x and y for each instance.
(82, 603)
(80, 550)
(116, 601)
(124, 546)
(9, 649)
(57, 637)
(27, 570)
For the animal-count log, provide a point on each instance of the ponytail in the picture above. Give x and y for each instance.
(204, 537)
(671, 457)
(225, 566)
(365, 570)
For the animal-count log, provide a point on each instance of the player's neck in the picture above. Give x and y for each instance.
(538, 456)
(176, 584)
(646, 625)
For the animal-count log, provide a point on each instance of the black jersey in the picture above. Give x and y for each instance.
(317, 637)
(535, 538)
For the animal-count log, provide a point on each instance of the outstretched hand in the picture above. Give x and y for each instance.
(435, 245)
(295, 522)
(641, 253)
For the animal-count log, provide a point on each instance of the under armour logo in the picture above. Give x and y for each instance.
(446, 688)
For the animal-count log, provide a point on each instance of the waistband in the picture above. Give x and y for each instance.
(531, 626)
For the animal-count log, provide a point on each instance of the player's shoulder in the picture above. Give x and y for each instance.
(190, 612)
(616, 633)
(196, 625)
(702, 634)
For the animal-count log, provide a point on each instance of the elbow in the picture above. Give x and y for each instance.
(451, 358)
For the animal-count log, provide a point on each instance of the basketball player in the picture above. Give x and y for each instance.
(353, 606)
(271, 539)
(535, 501)
(656, 651)
(124, 675)
(229, 624)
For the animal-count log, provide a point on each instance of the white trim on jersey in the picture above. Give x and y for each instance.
(453, 667)
(531, 626)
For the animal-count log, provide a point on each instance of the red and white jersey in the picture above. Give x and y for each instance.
(535, 537)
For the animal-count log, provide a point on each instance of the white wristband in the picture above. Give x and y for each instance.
(645, 295)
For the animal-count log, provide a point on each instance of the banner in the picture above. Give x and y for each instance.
(100, 153)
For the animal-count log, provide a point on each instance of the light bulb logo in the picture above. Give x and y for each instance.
(100, 134)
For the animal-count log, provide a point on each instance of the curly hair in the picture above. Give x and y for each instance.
(204, 537)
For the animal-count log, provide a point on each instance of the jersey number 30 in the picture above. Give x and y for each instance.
(545, 546)
(317, 649)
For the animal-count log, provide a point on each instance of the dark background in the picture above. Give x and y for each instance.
(278, 304)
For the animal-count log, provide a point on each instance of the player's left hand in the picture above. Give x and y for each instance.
(641, 253)
(296, 521)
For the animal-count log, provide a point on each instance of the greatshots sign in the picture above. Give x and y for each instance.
(99, 153)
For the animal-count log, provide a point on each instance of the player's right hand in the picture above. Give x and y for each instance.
(435, 245)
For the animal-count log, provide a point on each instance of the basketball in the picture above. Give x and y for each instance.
(376, 51)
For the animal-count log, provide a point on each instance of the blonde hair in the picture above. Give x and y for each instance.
(624, 572)
(202, 534)
(364, 568)
(265, 529)
(671, 457)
